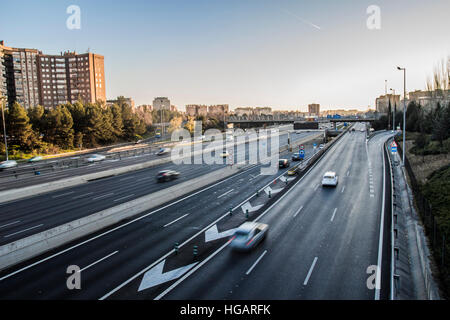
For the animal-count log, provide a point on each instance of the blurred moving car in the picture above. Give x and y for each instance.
(248, 235)
(321, 146)
(292, 172)
(167, 175)
(163, 151)
(224, 154)
(137, 142)
(35, 159)
(8, 164)
(283, 163)
(96, 158)
(330, 179)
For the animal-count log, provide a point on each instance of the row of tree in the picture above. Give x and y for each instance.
(71, 126)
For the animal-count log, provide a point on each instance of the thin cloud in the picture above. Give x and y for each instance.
(302, 20)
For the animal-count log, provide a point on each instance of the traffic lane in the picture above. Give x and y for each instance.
(334, 269)
(52, 204)
(100, 166)
(301, 211)
(143, 244)
(51, 211)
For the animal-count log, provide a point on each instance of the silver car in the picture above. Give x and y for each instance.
(248, 235)
(8, 164)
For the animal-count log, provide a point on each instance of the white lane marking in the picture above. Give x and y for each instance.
(100, 260)
(316, 187)
(130, 195)
(310, 272)
(256, 262)
(298, 211)
(83, 195)
(334, 213)
(62, 195)
(348, 172)
(103, 196)
(380, 239)
(343, 188)
(126, 178)
(8, 224)
(12, 234)
(213, 233)
(175, 220)
(225, 194)
(146, 178)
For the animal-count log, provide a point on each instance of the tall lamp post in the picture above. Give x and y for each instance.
(395, 110)
(3, 99)
(404, 111)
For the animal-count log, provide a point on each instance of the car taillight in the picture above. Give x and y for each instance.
(248, 243)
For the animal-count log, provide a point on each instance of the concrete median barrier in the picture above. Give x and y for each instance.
(31, 246)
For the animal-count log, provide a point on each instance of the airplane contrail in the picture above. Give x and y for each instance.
(303, 20)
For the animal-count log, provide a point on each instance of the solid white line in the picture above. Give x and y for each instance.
(103, 196)
(94, 263)
(343, 189)
(80, 196)
(9, 235)
(298, 211)
(126, 178)
(175, 220)
(225, 193)
(348, 172)
(316, 187)
(8, 224)
(334, 213)
(380, 240)
(310, 271)
(130, 195)
(256, 262)
(146, 178)
(64, 194)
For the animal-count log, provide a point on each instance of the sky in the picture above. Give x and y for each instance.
(283, 54)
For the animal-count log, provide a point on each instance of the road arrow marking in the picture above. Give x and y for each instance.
(155, 275)
(272, 191)
(213, 233)
(250, 208)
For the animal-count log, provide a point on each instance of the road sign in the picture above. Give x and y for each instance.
(315, 145)
(302, 147)
(394, 147)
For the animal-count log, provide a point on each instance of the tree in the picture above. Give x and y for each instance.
(117, 122)
(19, 128)
(36, 115)
(59, 122)
(441, 124)
(190, 124)
(175, 123)
(77, 110)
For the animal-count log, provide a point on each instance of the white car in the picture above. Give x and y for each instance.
(8, 164)
(96, 158)
(248, 235)
(321, 146)
(330, 179)
(163, 151)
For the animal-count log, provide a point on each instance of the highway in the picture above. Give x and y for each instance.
(320, 242)
(112, 255)
(25, 217)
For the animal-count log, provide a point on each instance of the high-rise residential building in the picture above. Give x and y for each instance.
(19, 79)
(314, 109)
(70, 77)
(161, 103)
(33, 78)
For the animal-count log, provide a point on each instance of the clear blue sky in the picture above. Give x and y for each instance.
(283, 54)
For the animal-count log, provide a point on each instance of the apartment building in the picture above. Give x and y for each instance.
(128, 101)
(30, 77)
(314, 109)
(70, 77)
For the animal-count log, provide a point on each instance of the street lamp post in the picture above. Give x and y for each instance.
(395, 109)
(3, 99)
(404, 111)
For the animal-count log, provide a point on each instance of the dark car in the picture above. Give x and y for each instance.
(283, 163)
(296, 157)
(167, 175)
